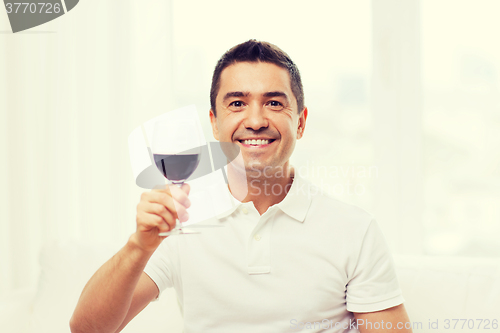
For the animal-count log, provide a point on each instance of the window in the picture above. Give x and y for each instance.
(461, 127)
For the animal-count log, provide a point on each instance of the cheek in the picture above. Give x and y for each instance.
(288, 127)
(227, 129)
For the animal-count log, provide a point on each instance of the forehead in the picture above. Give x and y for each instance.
(255, 78)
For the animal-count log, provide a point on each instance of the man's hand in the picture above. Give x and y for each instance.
(157, 212)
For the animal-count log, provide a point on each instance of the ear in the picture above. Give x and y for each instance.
(302, 123)
(213, 122)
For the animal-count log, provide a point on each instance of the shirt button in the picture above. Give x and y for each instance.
(257, 237)
(244, 210)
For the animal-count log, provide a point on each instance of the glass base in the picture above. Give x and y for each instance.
(179, 231)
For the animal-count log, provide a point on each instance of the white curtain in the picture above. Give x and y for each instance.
(71, 91)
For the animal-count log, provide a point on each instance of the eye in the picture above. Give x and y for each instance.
(236, 104)
(275, 105)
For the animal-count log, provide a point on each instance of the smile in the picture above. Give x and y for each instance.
(256, 142)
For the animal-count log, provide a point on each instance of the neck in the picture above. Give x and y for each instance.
(264, 188)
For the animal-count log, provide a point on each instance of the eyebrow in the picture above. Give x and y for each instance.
(276, 94)
(245, 94)
(235, 94)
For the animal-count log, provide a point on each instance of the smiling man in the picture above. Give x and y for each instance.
(289, 258)
(256, 109)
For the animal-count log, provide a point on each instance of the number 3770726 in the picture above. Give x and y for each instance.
(471, 324)
(32, 8)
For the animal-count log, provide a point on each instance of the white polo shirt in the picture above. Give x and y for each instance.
(305, 264)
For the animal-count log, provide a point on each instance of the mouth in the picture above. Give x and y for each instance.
(256, 142)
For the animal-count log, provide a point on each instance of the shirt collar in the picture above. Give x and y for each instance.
(296, 203)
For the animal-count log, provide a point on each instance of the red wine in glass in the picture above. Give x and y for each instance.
(177, 167)
(176, 148)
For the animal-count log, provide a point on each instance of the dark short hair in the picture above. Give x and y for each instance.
(255, 51)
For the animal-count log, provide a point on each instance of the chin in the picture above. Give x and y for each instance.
(261, 170)
(252, 168)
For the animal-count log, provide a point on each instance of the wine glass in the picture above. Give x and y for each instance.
(176, 147)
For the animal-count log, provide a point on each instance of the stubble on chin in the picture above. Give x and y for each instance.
(258, 171)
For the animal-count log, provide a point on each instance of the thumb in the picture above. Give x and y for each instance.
(161, 188)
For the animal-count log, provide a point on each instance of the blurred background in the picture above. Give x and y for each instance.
(403, 99)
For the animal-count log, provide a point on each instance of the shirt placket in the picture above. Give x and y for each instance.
(258, 245)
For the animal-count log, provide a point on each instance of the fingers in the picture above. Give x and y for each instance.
(158, 211)
(175, 199)
(162, 221)
(161, 197)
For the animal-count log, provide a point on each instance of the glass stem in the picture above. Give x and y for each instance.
(178, 183)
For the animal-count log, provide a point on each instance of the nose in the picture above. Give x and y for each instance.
(255, 118)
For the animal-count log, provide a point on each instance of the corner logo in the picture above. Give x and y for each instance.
(29, 14)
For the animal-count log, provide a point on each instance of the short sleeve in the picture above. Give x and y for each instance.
(159, 268)
(373, 286)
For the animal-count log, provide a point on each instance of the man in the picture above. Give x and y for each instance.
(288, 258)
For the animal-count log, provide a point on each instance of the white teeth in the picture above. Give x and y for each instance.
(256, 142)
